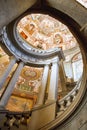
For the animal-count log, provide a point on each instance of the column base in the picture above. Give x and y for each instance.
(48, 101)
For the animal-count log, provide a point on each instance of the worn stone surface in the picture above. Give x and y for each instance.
(77, 121)
(70, 8)
(11, 9)
(42, 116)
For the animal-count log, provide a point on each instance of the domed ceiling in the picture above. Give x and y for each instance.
(45, 32)
(42, 32)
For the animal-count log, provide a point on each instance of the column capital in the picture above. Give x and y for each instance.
(12, 57)
(55, 60)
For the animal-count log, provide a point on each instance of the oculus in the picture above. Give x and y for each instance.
(44, 32)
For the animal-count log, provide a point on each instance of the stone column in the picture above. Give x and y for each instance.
(53, 86)
(41, 95)
(6, 73)
(62, 76)
(6, 95)
(69, 69)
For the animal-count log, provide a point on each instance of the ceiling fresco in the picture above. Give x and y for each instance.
(29, 79)
(44, 32)
(30, 73)
(77, 57)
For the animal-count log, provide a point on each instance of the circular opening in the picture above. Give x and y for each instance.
(44, 32)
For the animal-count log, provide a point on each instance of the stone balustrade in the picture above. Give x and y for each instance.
(15, 118)
(65, 102)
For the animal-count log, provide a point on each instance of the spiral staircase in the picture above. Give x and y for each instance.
(48, 113)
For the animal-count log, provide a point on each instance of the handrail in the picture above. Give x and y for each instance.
(4, 111)
(43, 106)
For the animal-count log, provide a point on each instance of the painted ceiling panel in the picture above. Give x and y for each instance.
(44, 32)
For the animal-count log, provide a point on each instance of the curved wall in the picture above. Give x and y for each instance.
(11, 9)
(78, 120)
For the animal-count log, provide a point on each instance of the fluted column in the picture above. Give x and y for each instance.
(53, 86)
(6, 73)
(41, 95)
(6, 95)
